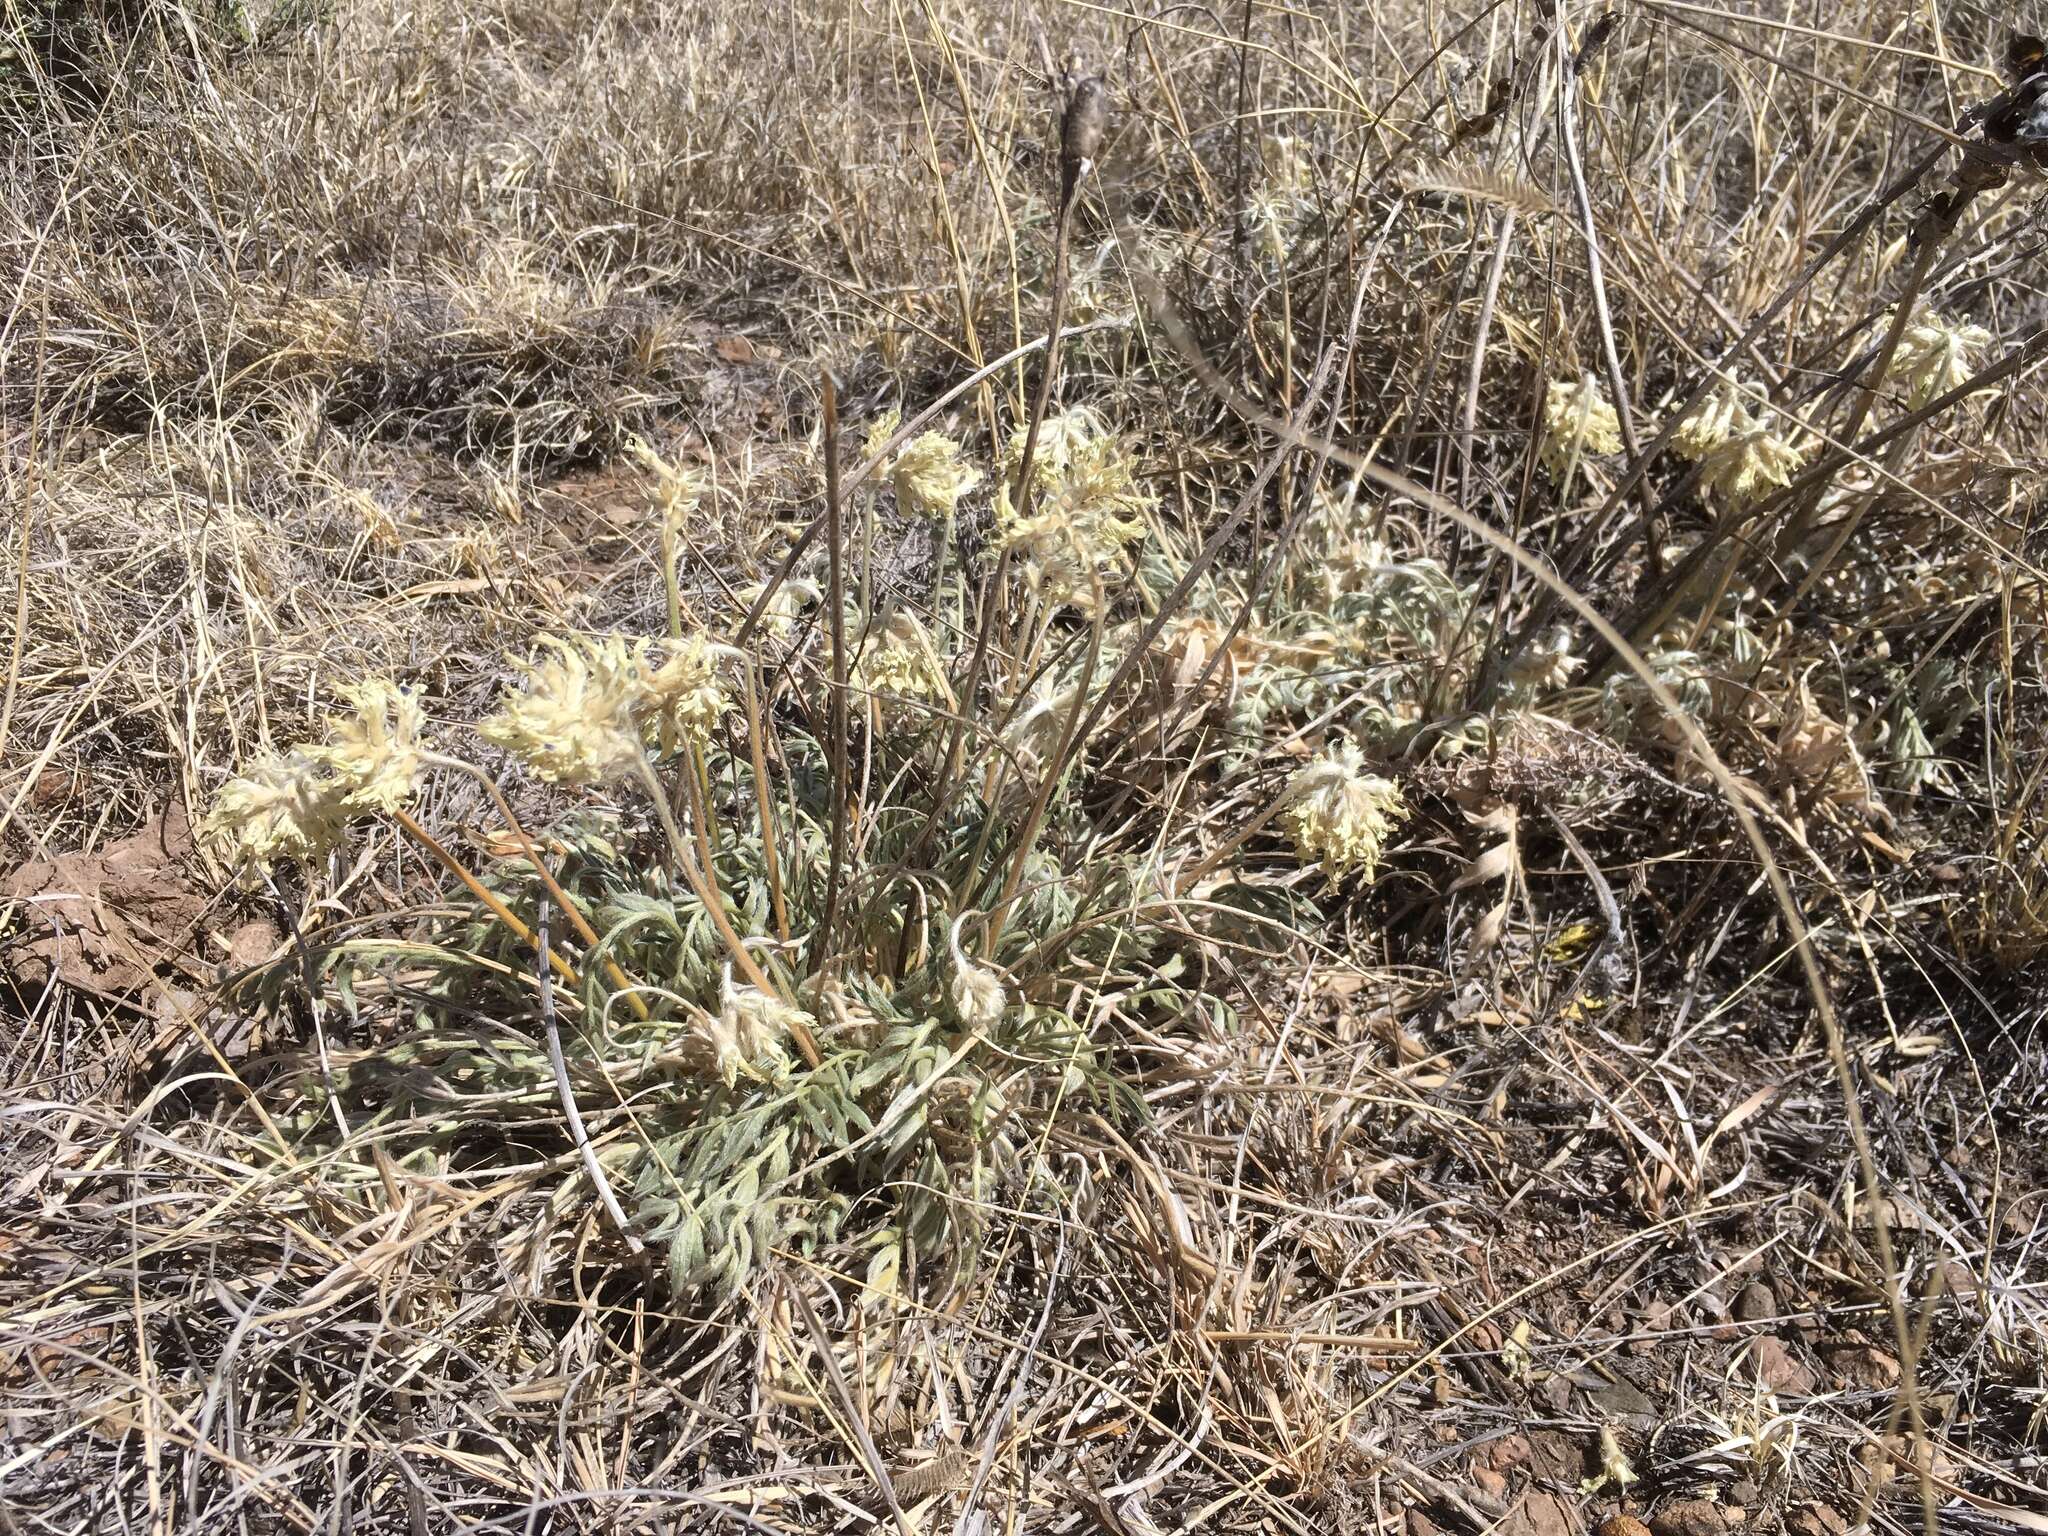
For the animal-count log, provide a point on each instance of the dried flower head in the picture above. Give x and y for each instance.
(1578, 423)
(1340, 815)
(279, 806)
(575, 721)
(930, 476)
(379, 526)
(374, 750)
(1821, 754)
(977, 995)
(677, 490)
(1723, 412)
(752, 1031)
(1935, 356)
(1352, 561)
(1749, 466)
(684, 693)
(901, 670)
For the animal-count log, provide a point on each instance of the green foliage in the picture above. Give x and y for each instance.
(910, 1124)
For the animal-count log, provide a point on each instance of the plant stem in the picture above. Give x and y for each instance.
(566, 1090)
(561, 897)
(771, 863)
(498, 909)
(707, 897)
(670, 586)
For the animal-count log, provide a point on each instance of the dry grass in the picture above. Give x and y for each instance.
(1295, 1028)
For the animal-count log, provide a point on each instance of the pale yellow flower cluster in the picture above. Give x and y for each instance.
(928, 473)
(576, 720)
(880, 430)
(1722, 413)
(684, 691)
(1748, 467)
(374, 750)
(1340, 815)
(583, 716)
(900, 668)
(281, 806)
(977, 995)
(1743, 455)
(930, 477)
(1547, 665)
(587, 708)
(751, 1032)
(679, 489)
(1934, 356)
(1060, 437)
(295, 804)
(1578, 423)
(1089, 506)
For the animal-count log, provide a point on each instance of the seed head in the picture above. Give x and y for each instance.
(1082, 128)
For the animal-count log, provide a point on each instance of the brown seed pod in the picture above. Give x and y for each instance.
(1082, 128)
(1622, 1525)
(1595, 39)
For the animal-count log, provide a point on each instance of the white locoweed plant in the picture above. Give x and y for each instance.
(774, 1044)
(822, 992)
